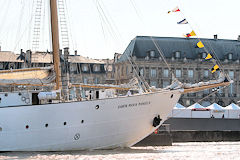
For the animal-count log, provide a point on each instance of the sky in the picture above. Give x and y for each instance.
(100, 28)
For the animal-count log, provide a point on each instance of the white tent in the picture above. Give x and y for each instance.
(217, 111)
(196, 105)
(179, 111)
(179, 106)
(232, 106)
(198, 111)
(215, 106)
(233, 111)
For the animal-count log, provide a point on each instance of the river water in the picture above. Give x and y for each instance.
(179, 151)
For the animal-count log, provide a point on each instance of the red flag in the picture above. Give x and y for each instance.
(176, 9)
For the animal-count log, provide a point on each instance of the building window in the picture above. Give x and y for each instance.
(141, 72)
(205, 74)
(85, 68)
(165, 73)
(178, 73)
(153, 83)
(122, 70)
(206, 91)
(96, 81)
(230, 56)
(165, 84)
(205, 103)
(231, 74)
(190, 73)
(230, 91)
(85, 80)
(96, 68)
(152, 54)
(220, 90)
(178, 55)
(153, 72)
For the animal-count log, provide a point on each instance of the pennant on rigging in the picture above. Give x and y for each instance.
(190, 34)
(209, 56)
(175, 10)
(199, 45)
(184, 21)
(215, 68)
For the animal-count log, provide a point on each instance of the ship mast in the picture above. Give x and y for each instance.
(55, 41)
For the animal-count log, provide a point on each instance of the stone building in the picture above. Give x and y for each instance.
(75, 68)
(186, 63)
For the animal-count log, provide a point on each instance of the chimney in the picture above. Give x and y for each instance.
(215, 37)
(60, 52)
(66, 52)
(75, 52)
(238, 38)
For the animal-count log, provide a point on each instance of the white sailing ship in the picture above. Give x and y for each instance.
(100, 123)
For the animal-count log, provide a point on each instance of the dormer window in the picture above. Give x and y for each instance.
(85, 68)
(230, 56)
(204, 55)
(177, 54)
(96, 68)
(152, 54)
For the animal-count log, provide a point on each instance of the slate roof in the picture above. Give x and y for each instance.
(140, 45)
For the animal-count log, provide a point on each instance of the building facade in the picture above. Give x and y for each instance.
(185, 62)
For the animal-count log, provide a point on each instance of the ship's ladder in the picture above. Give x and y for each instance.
(64, 33)
(37, 24)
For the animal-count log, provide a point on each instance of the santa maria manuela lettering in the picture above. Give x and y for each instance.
(133, 104)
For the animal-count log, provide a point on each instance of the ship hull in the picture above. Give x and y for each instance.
(97, 124)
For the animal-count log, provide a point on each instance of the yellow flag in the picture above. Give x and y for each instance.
(215, 68)
(200, 44)
(193, 33)
(209, 56)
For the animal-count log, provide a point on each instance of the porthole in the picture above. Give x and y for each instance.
(27, 100)
(65, 123)
(6, 94)
(46, 125)
(82, 121)
(27, 126)
(19, 94)
(23, 98)
(97, 107)
(172, 96)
